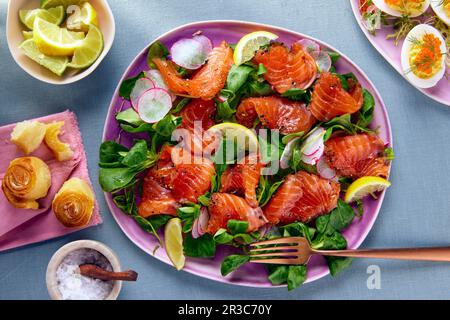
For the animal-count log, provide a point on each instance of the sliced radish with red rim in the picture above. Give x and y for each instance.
(189, 53)
(142, 85)
(324, 170)
(154, 104)
(205, 42)
(158, 80)
(203, 220)
(323, 60)
(313, 147)
(287, 153)
(194, 231)
(309, 45)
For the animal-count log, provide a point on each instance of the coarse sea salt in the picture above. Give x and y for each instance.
(73, 286)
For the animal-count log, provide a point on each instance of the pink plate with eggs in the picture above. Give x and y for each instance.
(392, 53)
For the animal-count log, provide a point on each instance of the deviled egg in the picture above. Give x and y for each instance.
(423, 56)
(442, 10)
(398, 8)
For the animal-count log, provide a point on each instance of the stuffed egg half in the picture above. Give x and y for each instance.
(398, 8)
(423, 56)
(442, 10)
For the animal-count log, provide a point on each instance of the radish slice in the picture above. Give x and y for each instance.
(200, 223)
(314, 157)
(309, 45)
(158, 80)
(154, 104)
(323, 60)
(287, 153)
(313, 147)
(189, 53)
(142, 85)
(194, 230)
(325, 171)
(205, 42)
(203, 220)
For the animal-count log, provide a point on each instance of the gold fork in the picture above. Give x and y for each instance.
(296, 250)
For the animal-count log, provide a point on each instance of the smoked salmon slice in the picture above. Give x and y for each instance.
(356, 155)
(198, 116)
(198, 110)
(242, 179)
(329, 99)
(287, 70)
(224, 207)
(156, 199)
(275, 113)
(302, 197)
(186, 177)
(207, 82)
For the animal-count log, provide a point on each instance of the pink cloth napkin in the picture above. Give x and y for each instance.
(19, 227)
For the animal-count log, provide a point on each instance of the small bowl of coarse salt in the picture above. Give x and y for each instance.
(64, 280)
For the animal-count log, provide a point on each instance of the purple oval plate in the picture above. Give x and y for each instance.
(252, 274)
(392, 54)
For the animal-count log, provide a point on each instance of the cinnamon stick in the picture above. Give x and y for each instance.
(93, 271)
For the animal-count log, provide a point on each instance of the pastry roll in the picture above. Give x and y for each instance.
(28, 135)
(60, 149)
(26, 180)
(74, 203)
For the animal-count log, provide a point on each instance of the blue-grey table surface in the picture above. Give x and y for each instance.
(415, 211)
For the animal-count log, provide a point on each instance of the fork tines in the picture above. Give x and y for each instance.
(282, 247)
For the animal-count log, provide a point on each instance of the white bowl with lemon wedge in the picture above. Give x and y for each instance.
(59, 41)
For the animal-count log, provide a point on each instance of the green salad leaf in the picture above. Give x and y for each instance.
(202, 247)
(130, 121)
(118, 167)
(338, 264)
(237, 226)
(294, 276)
(298, 95)
(128, 84)
(365, 115)
(156, 50)
(232, 263)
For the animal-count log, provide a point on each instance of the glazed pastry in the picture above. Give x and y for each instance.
(74, 203)
(60, 149)
(28, 135)
(26, 180)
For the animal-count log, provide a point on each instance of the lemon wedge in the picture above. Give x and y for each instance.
(83, 18)
(53, 15)
(89, 50)
(245, 138)
(173, 241)
(57, 65)
(53, 40)
(364, 186)
(250, 43)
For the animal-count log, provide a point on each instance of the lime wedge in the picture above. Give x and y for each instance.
(250, 43)
(27, 35)
(57, 65)
(53, 40)
(90, 49)
(45, 4)
(82, 19)
(53, 15)
(365, 186)
(173, 242)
